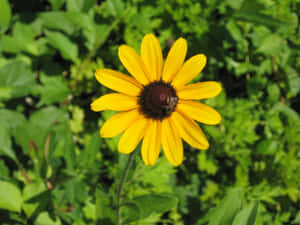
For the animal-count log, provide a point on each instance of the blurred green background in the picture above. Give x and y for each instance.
(55, 168)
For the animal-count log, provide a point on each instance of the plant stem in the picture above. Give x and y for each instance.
(122, 183)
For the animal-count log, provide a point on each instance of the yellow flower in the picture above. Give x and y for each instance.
(156, 103)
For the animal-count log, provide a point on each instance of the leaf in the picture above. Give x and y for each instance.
(88, 155)
(5, 141)
(267, 147)
(59, 41)
(104, 213)
(17, 76)
(10, 197)
(30, 191)
(9, 120)
(80, 5)
(44, 219)
(48, 116)
(293, 81)
(56, 4)
(247, 215)
(53, 90)
(273, 93)
(271, 45)
(297, 219)
(5, 93)
(58, 20)
(5, 15)
(259, 18)
(227, 209)
(154, 203)
(115, 7)
(4, 171)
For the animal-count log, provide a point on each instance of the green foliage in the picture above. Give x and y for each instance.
(55, 168)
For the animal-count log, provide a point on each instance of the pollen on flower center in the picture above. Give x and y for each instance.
(158, 100)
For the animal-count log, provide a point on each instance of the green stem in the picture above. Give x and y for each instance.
(122, 183)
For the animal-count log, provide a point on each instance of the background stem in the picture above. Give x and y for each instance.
(122, 183)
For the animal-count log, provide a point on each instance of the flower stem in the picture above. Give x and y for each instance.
(122, 183)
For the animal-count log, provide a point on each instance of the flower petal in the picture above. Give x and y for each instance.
(133, 63)
(114, 101)
(151, 143)
(200, 112)
(174, 59)
(152, 56)
(171, 142)
(118, 81)
(118, 123)
(200, 90)
(191, 68)
(132, 135)
(190, 131)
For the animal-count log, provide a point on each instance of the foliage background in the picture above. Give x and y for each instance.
(54, 167)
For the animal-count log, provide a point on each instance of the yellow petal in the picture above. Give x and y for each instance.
(133, 63)
(174, 59)
(201, 90)
(118, 81)
(191, 68)
(114, 101)
(152, 56)
(132, 135)
(189, 131)
(200, 112)
(171, 142)
(151, 143)
(118, 123)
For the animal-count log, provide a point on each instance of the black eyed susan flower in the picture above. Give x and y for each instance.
(156, 103)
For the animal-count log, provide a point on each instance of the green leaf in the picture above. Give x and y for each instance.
(29, 192)
(58, 20)
(297, 219)
(259, 18)
(104, 213)
(88, 155)
(89, 211)
(10, 197)
(247, 215)
(5, 141)
(56, 4)
(80, 5)
(17, 76)
(267, 147)
(227, 209)
(5, 93)
(151, 203)
(48, 116)
(271, 45)
(9, 120)
(273, 93)
(115, 7)
(59, 41)
(293, 81)
(53, 90)
(44, 219)
(5, 15)
(4, 171)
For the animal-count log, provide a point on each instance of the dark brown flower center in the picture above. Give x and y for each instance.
(158, 100)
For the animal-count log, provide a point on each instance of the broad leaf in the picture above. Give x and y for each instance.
(247, 215)
(227, 209)
(10, 197)
(67, 48)
(17, 76)
(53, 90)
(5, 15)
